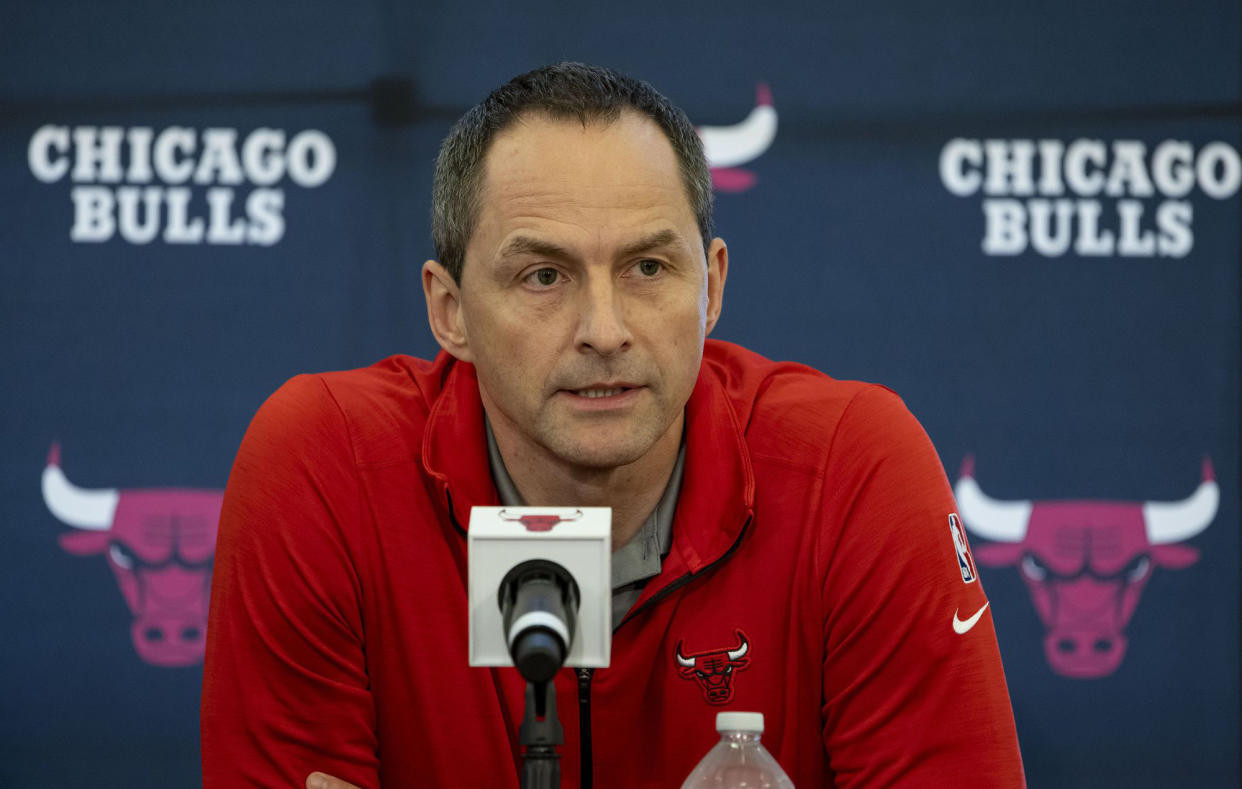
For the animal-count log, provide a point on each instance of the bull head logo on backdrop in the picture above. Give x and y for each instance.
(159, 544)
(1086, 563)
(728, 147)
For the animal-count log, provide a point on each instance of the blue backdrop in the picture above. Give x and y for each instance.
(1024, 217)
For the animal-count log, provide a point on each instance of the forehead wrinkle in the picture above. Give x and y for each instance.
(545, 196)
(556, 223)
(522, 190)
(543, 190)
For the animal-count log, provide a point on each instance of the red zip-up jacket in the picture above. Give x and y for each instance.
(813, 526)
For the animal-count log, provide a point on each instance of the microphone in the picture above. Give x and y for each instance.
(540, 593)
(539, 607)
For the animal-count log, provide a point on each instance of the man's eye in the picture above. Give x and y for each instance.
(544, 277)
(649, 268)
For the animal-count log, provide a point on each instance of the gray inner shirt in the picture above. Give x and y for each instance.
(636, 562)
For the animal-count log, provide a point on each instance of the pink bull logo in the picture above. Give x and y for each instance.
(726, 147)
(539, 522)
(1086, 562)
(713, 669)
(159, 544)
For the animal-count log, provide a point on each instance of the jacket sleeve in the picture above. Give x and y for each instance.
(285, 688)
(908, 700)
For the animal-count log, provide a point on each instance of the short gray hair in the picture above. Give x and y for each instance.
(562, 91)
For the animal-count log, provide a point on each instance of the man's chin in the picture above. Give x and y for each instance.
(603, 444)
(601, 458)
(601, 449)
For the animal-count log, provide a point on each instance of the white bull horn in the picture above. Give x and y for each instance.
(992, 519)
(1174, 521)
(681, 661)
(736, 654)
(78, 507)
(729, 146)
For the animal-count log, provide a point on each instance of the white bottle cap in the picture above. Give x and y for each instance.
(739, 721)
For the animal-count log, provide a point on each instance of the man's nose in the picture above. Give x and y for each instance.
(602, 327)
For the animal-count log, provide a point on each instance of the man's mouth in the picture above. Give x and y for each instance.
(601, 392)
(605, 392)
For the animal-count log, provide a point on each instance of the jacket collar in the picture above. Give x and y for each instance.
(455, 444)
(718, 488)
(717, 492)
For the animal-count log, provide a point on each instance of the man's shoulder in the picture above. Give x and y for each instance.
(790, 393)
(792, 411)
(396, 383)
(381, 408)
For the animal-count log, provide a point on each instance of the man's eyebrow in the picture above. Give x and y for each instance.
(525, 245)
(661, 238)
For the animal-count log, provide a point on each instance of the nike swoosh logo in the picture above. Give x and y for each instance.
(963, 626)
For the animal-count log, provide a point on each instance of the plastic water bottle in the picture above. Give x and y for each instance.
(739, 760)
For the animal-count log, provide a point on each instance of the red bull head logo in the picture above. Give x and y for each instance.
(1086, 562)
(713, 669)
(540, 522)
(159, 544)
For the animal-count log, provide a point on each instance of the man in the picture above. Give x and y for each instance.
(783, 542)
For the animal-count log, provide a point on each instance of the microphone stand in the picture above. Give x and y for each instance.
(539, 735)
(539, 603)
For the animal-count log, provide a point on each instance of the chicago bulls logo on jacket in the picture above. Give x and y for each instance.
(713, 669)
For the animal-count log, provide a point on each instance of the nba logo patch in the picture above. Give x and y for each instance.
(965, 562)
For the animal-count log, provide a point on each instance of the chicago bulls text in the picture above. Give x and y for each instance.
(1061, 186)
(136, 182)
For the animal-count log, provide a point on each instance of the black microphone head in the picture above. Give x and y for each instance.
(538, 654)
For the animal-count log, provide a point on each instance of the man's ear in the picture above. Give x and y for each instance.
(444, 310)
(717, 272)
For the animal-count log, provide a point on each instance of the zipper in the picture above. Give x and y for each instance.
(448, 496)
(584, 728)
(683, 580)
(585, 674)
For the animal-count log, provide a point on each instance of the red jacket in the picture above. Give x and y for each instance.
(813, 525)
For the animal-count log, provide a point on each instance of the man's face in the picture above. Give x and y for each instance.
(585, 296)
